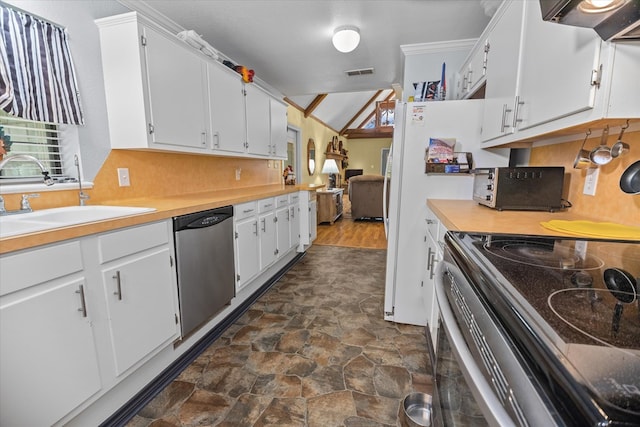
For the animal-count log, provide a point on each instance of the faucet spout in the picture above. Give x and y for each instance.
(47, 179)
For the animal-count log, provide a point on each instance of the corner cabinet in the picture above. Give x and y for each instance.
(164, 95)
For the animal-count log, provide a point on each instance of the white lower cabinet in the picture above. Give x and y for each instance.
(283, 225)
(246, 243)
(48, 360)
(140, 303)
(308, 219)
(313, 220)
(267, 229)
(59, 304)
(294, 220)
(434, 240)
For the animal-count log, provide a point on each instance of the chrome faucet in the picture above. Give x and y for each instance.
(81, 195)
(45, 173)
(25, 206)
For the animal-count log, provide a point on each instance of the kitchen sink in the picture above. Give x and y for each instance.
(47, 219)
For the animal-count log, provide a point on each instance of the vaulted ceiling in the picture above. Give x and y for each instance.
(288, 43)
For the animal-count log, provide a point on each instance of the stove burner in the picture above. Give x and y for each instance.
(543, 254)
(590, 312)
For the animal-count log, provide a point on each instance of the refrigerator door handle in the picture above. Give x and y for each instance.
(385, 213)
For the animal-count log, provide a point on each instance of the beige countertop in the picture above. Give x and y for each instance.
(468, 215)
(166, 207)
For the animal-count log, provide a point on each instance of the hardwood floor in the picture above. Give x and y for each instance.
(367, 234)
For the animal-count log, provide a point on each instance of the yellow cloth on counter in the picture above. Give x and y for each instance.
(594, 229)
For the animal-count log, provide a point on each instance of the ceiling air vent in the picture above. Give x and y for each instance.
(360, 72)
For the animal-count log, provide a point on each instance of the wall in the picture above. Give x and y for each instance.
(609, 202)
(321, 135)
(366, 153)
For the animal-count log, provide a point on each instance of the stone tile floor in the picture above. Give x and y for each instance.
(313, 351)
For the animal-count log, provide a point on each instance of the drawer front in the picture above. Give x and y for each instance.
(294, 198)
(245, 210)
(282, 201)
(132, 240)
(266, 205)
(35, 266)
(432, 224)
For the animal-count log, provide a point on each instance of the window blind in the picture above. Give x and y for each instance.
(37, 139)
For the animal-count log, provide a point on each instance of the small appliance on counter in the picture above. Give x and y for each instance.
(519, 188)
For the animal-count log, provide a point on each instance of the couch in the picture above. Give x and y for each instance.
(365, 195)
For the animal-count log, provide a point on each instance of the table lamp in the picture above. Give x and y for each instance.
(331, 167)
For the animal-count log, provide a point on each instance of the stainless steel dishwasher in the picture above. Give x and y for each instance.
(205, 264)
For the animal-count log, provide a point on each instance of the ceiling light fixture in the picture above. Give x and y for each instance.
(346, 38)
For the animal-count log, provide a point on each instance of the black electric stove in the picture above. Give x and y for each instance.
(571, 307)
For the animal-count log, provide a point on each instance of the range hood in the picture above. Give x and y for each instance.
(613, 20)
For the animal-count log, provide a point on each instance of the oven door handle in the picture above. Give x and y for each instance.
(492, 408)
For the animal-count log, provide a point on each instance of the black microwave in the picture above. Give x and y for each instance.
(519, 188)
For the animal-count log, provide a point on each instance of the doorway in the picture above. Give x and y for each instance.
(294, 152)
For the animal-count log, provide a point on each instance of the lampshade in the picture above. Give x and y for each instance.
(346, 38)
(330, 166)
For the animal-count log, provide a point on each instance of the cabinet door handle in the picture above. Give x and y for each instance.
(203, 139)
(118, 291)
(505, 110)
(264, 224)
(83, 303)
(433, 264)
(255, 228)
(429, 258)
(216, 135)
(516, 120)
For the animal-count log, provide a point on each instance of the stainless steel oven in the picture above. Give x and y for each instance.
(534, 331)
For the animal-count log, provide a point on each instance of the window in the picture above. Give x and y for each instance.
(37, 139)
(385, 113)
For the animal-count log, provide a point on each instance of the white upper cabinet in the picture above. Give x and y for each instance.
(472, 74)
(226, 101)
(258, 121)
(164, 95)
(558, 67)
(176, 81)
(154, 88)
(278, 113)
(502, 71)
(543, 77)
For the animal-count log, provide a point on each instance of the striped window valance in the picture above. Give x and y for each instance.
(37, 79)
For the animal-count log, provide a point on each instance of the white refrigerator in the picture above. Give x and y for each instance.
(410, 187)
